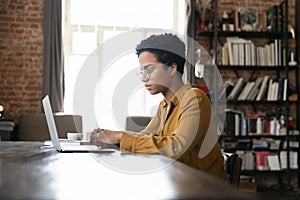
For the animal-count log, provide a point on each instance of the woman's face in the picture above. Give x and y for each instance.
(154, 74)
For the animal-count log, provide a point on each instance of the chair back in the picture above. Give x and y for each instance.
(233, 165)
(33, 126)
(137, 123)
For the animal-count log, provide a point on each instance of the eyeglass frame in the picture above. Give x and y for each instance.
(145, 72)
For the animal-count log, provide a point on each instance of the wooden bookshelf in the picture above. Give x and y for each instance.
(282, 69)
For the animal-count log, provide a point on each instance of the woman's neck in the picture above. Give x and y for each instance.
(170, 92)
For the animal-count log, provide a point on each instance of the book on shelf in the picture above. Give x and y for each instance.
(229, 145)
(260, 89)
(275, 144)
(285, 89)
(239, 51)
(262, 161)
(228, 44)
(254, 91)
(271, 54)
(238, 123)
(293, 144)
(277, 89)
(273, 162)
(273, 127)
(255, 124)
(235, 16)
(237, 88)
(248, 157)
(293, 159)
(279, 52)
(272, 48)
(275, 17)
(272, 17)
(228, 85)
(260, 144)
(281, 26)
(234, 122)
(245, 91)
(225, 55)
(274, 90)
(263, 88)
(280, 93)
(266, 160)
(230, 123)
(270, 92)
(268, 55)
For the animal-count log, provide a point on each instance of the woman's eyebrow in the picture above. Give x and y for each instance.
(146, 66)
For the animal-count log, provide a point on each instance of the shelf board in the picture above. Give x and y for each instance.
(244, 34)
(265, 68)
(254, 102)
(248, 171)
(266, 135)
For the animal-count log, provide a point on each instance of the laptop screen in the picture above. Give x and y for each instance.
(51, 122)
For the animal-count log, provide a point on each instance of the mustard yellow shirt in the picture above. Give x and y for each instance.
(179, 132)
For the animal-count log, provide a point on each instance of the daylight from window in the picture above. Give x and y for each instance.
(99, 57)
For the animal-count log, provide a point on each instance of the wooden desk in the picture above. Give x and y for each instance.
(31, 171)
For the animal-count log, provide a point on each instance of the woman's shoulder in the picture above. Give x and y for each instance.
(194, 90)
(196, 94)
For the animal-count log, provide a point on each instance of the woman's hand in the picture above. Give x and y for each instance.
(101, 137)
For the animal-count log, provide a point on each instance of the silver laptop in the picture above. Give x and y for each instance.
(62, 146)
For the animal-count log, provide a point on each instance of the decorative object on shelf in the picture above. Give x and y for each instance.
(4, 107)
(275, 113)
(227, 23)
(276, 120)
(248, 19)
(282, 129)
(199, 67)
(292, 61)
(6, 126)
(1, 111)
(203, 6)
(202, 25)
(291, 30)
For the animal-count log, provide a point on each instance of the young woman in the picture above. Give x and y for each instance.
(184, 117)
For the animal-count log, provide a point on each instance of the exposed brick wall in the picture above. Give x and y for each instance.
(21, 56)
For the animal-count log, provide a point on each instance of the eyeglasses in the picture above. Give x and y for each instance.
(146, 70)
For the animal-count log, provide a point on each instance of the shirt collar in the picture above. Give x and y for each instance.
(178, 95)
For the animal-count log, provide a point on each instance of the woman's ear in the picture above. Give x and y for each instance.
(173, 68)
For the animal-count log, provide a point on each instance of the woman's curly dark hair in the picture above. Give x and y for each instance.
(167, 48)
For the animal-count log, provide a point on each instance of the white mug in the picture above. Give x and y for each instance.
(74, 136)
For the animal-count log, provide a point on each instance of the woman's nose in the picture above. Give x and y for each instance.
(144, 77)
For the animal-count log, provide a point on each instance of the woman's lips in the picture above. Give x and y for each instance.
(148, 87)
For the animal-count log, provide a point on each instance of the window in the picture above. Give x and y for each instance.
(99, 41)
